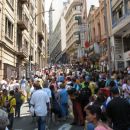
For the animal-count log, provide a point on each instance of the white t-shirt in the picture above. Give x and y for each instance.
(40, 99)
(125, 87)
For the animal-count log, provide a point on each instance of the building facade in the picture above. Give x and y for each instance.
(120, 13)
(55, 43)
(21, 37)
(97, 48)
(73, 12)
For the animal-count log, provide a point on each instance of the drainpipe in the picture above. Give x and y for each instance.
(108, 38)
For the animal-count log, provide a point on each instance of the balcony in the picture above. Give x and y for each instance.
(23, 52)
(23, 1)
(22, 22)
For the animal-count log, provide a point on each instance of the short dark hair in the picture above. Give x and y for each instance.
(68, 78)
(95, 109)
(11, 92)
(74, 79)
(5, 91)
(115, 90)
(112, 84)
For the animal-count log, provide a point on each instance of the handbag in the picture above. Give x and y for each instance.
(32, 111)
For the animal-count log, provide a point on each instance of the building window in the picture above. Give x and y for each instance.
(43, 28)
(31, 51)
(31, 30)
(128, 6)
(8, 28)
(25, 44)
(78, 8)
(32, 10)
(11, 3)
(118, 13)
(126, 41)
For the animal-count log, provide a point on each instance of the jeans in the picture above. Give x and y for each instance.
(17, 110)
(41, 122)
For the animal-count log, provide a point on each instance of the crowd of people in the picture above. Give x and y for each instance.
(99, 101)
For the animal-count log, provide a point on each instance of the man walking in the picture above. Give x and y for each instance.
(118, 110)
(40, 102)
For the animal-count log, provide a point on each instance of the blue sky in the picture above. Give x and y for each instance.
(58, 6)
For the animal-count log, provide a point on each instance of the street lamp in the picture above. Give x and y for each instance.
(30, 56)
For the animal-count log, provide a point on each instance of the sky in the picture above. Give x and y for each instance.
(58, 6)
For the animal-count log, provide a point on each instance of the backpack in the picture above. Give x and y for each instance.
(7, 104)
(84, 94)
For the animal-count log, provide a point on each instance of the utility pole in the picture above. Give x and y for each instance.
(108, 38)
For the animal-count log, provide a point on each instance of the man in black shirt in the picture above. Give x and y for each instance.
(118, 110)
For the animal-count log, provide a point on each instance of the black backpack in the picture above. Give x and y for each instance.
(84, 95)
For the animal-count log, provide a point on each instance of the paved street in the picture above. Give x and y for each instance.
(26, 122)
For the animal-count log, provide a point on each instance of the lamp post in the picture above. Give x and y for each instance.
(30, 56)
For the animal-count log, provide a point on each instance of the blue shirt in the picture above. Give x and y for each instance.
(77, 87)
(63, 96)
(90, 126)
(60, 79)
